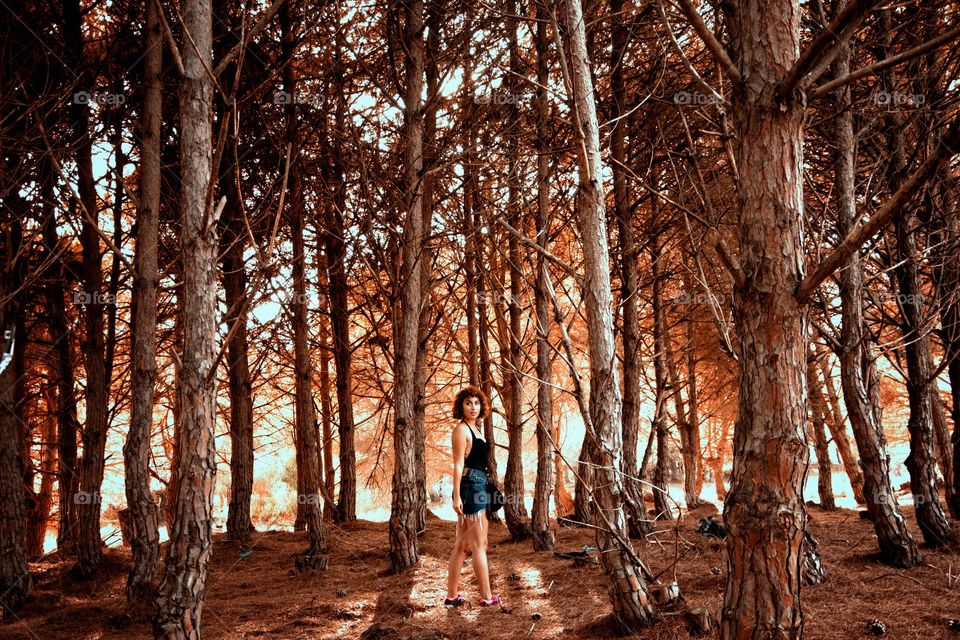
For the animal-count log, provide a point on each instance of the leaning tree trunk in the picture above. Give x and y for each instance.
(544, 538)
(94, 434)
(181, 593)
(838, 432)
(627, 588)
(764, 511)
(817, 408)
(403, 513)
(858, 375)
(921, 461)
(143, 515)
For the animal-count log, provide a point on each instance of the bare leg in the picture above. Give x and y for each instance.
(480, 568)
(455, 565)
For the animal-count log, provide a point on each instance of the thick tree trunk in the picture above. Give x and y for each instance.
(92, 300)
(544, 538)
(628, 591)
(15, 580)
(817, 409)
(764, 510)
(181, 592)
(857, 372)
(404, 507)
(142, 508)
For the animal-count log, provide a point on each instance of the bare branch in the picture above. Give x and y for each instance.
(257, 28)
(710, 40)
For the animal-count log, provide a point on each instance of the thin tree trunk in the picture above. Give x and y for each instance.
(94, 435)
(181, 593)
(326, 404)
(838, 432)
(662, 353)
(143, 515)
(692, 456)
(627, 590)
(544, 538)
(858, 375)
(404, 508)
(335, 243)
(817, 409)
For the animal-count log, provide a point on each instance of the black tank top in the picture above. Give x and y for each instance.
(477, 458)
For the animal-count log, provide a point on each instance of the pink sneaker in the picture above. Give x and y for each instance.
(454, 602)
(491, 601)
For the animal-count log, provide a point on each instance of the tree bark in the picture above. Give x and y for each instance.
(40, 515)
(628, 591)
(764, 510)
(143, 516)
(858, 375)
(544, 539)
(817, 409)
(94, 434)
(181, 592)
(838, 432)
(404, 507)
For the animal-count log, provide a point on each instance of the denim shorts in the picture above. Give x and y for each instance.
(473, 492)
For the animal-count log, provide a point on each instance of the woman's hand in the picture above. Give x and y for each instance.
(458, 505)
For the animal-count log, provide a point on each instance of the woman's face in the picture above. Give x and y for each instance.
(471, 408)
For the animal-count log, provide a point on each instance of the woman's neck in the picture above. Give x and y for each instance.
(472, 423)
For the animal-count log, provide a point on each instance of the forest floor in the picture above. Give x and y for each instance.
(260, 596)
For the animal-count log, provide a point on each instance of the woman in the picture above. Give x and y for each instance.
(470, 497)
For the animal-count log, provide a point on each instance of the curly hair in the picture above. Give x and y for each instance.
(470, 391)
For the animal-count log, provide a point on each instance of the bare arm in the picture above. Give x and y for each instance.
(459, 446)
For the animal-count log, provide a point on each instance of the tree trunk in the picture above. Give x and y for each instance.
(142, 508)
(662, 352)
(94, 435)
(334, 241)
(857, 372)
(945, 235)
(544, 538)
(628, 590)
(637, 519)
(921, 462)
(838, 432)
(817, 409)
(315, 555)
(764, 510)
(326, 408)
(181, 592)
(15, 580)
(404, 508)
(692, 456)
(37, 528)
